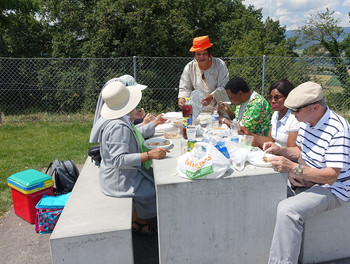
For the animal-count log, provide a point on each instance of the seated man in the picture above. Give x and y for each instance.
(252, 110)
(319, 174)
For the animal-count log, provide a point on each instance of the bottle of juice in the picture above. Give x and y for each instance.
(187, 116)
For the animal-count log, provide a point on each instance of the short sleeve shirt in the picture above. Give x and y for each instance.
(327, 144)
(280, 129)
(256, 115)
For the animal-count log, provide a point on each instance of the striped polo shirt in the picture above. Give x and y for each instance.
(327, 144)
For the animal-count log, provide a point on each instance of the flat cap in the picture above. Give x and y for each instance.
(304, 94)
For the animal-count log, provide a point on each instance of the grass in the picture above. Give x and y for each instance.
(33, 145)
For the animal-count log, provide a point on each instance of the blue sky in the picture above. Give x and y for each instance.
(292, 13)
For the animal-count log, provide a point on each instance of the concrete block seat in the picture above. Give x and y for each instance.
(93, 227)
(327, 236)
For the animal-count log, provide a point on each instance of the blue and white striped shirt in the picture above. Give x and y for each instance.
(327, 144)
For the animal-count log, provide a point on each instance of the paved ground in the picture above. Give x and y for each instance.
(19, 243)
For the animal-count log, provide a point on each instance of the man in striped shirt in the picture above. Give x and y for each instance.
(318, 169)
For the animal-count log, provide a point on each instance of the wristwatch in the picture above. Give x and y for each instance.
(299, 169)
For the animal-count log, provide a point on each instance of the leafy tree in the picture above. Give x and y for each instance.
(323, 30)
(21, 35)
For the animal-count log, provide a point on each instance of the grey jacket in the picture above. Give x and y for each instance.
(121, 172)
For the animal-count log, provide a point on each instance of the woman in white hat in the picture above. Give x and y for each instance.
(127, 80)
(125, 167)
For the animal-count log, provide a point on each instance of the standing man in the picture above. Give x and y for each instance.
(319, 174)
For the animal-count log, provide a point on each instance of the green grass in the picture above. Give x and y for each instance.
(33, 145)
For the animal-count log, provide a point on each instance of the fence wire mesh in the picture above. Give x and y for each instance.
(65, 86)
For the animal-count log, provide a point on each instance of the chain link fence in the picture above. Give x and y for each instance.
(66, 86)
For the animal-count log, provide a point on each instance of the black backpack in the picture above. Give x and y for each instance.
(64, 174)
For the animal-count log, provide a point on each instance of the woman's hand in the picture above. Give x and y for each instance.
(158, 153)
(148, 118)
(159, 120)
(207, 100)
(181, 102)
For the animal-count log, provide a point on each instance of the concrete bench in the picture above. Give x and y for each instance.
(93, 227)
(327, 236)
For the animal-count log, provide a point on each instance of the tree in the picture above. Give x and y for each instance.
(120, 28)
(323, 30)
(21, 35)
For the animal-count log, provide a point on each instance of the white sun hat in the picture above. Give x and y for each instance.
(119, 100)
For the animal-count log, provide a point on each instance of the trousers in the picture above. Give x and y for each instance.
(290, 218)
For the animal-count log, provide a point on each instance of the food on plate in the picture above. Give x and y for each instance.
(266, 159)
(155, 144)
(171, 135)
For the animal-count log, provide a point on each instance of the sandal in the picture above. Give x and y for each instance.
(141, 230)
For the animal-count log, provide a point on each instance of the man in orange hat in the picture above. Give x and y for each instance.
(204, 73)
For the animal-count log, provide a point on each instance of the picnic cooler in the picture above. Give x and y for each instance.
(27, 188)
(48, 211)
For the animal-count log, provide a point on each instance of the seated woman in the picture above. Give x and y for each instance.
(125, 166)
(284, 126)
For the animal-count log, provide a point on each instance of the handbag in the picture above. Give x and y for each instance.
(94, 153)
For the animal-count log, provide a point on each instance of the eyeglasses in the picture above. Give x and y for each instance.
(276, 98)
(297, 110)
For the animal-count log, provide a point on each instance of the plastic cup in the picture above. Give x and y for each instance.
(191, 132)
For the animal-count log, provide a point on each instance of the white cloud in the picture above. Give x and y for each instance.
(293, 13)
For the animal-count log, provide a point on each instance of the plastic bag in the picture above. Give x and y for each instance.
(238, 157)
(196, 102)
(203, 162)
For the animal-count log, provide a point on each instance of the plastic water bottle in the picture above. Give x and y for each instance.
(215, 119)
(234, 130)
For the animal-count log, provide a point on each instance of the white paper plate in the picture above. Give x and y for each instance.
(172, 115)
(153, 143)
(258, 161)
(160, 128)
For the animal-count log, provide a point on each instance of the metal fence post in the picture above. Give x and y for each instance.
(263, 76)
(135, 71)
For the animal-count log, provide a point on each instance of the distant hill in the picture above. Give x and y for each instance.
(291, 33)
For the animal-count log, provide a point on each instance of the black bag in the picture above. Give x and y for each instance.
(94, 153)
(64, 174)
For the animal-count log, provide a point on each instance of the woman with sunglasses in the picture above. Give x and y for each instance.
(204, 73)
(284, 126)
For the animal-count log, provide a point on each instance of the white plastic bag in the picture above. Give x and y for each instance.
(203, 162)
(238, 157)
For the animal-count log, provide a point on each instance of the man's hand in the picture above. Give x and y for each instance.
(282, 164)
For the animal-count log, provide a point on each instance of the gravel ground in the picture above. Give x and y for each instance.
(19, 243)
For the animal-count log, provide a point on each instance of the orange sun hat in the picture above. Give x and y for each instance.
(201, 43)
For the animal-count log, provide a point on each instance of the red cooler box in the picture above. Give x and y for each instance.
(27, 188)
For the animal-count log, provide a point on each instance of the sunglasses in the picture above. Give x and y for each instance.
(297, 110)
(276, 98)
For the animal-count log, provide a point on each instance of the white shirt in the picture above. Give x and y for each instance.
(280, 129)
(327, 144)
(214, 83)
